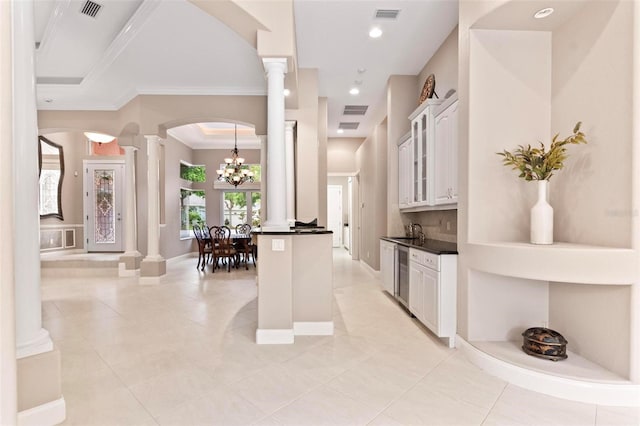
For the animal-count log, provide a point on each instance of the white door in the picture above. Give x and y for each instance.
(103, 205)
(334, 213)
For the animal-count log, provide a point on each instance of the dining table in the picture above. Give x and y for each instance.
(237, 240)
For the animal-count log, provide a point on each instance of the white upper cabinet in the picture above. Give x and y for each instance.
(446, 153)
(423, 134)
(428, 157)
(405, 171)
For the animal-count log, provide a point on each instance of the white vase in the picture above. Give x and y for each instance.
(542, 216)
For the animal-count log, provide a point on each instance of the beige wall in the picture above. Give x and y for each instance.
(341, 154)
(74, 149)
(154, 114)
(444, 66)
(591, 197)
(322, 161)
(401, 101)
(307, 147)
(170, 243)
(371, 160)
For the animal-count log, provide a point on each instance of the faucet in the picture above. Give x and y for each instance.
(414, 230)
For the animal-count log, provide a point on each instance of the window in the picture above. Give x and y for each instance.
(193, 211)
(237, 210)
(192, 173)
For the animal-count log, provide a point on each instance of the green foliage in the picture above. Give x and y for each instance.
(194, 217)
(192, 173)
(538, 163)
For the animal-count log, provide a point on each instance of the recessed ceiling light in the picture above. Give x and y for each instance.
(375, 32)
(362, 70)
(48, 100)
(341, 131)
(357, 82)
(287, 92)
(543, 13)
(354, 91)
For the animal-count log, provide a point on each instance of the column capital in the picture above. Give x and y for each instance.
(289, 125)
(152, 138)
(275, 64)
(129, 147)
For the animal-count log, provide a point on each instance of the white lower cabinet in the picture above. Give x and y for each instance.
(432, 292)
(388, 265)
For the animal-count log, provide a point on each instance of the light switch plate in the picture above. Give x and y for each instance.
(277, 245)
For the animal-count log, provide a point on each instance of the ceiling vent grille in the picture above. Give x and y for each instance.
(387, 13)
(90, 8)
(348, 125)
(355, 109)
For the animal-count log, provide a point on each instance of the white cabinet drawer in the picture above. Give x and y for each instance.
(424, 258)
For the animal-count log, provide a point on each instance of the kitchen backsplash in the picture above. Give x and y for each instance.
(437, 225)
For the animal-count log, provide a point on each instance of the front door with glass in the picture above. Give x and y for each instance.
(103, 206)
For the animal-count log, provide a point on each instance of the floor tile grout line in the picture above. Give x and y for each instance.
(504, 388)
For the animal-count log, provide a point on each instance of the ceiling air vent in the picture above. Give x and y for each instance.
(387, 13)
(90, 8)
(348, 125)
(355, 109)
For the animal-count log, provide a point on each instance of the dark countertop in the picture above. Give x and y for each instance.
(294, 231)
(431, 246)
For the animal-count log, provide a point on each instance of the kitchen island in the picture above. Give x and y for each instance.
(295, 287)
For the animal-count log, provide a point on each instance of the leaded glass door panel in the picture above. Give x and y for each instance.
(103, 187)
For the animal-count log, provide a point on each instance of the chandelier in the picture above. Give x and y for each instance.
(233, 172)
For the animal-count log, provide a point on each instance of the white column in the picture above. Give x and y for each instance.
(290, 171)
(31, 338)
(130, 245)
(276, 172)
(153, 203)
(8, 394)
(130, 260)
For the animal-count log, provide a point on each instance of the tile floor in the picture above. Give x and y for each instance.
(183, 353)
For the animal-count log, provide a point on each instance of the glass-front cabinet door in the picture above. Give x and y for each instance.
(416, 157)
(422, 164)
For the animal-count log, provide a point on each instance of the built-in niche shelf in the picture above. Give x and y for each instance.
(559, 262)
(574, 378)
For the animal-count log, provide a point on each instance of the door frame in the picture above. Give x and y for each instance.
(340, 221)
(85, 199)
(355, 213)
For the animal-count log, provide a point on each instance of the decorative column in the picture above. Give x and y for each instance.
(153, 266)
(8, 377)
(130, 260)
(31, 338)
(290, 171)
(276, 171)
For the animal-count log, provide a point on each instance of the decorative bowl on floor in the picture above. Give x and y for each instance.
(544, 343)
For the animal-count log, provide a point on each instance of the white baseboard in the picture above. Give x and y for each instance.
(49, 414)
(590, 392)
(182, 256)
(274, 336)
(316, 328)
(365, 265)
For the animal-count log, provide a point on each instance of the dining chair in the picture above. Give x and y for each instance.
(244, 245)
(222, 248)
(204, 246)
